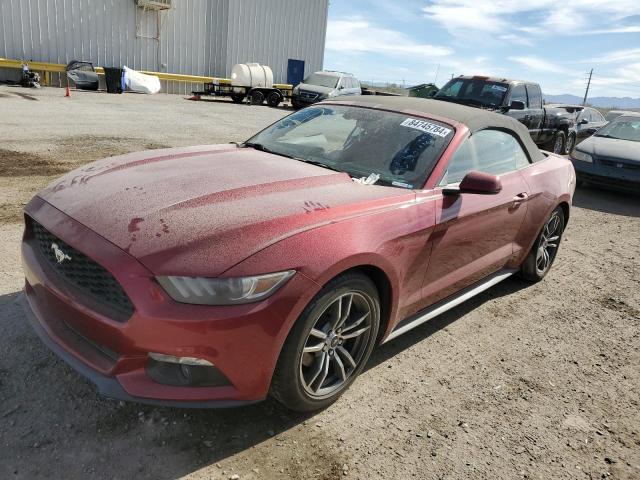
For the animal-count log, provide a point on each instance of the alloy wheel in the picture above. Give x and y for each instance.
(557, 148)
(336, 344)
(569, 146)
(548, 244)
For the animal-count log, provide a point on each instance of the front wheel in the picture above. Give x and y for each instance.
(237, 97)
(571, 141)
(544, 251)
(559, 142)
(329, 345)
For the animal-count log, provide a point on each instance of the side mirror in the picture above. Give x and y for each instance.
(584, 121)
(516, 105)
(341, 87)
(476, 182)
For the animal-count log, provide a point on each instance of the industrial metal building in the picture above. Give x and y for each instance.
(194, 37)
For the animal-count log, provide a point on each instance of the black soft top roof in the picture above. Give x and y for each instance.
(474, 118)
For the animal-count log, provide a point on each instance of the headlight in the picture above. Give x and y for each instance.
(223, 291)
(583, 157)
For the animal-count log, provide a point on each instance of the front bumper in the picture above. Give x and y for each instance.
(109, 386)
(625, 177)
(301, 99)
(243, 341)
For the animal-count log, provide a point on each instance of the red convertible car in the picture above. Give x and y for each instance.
(217, 275)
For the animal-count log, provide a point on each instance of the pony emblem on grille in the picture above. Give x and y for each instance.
(60, 255)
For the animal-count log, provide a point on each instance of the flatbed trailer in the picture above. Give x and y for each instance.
(240, 94)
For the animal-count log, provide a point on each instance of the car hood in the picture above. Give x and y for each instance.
(307, 87)
(611, 148)
(201, 210)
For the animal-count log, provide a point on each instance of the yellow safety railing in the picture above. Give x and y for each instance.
(169, 77)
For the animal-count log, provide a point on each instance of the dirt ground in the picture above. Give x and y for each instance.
(524, 381)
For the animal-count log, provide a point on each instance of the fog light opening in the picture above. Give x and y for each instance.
(184, 371)
(161, 357)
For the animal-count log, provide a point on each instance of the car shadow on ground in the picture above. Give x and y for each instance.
(57, 412)
(607, 201)
(424, 331)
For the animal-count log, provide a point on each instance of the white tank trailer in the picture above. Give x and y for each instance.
(251, 75)
(250, 82)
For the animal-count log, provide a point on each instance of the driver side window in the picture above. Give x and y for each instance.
(520, 94)
(489, 151)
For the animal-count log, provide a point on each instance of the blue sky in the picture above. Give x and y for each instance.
(552, 42)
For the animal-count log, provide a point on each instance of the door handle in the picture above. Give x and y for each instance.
(520, 198)
(527, 117)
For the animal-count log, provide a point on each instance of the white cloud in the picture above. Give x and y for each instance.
(462, 15)
(616, 56)
(540, 65)
(515, 18)
(516, 39)
(359, 35)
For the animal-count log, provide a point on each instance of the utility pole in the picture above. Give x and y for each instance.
(435, 80)
(584, 102)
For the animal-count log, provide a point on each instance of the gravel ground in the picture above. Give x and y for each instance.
(525, 381)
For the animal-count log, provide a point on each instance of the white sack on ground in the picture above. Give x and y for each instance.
(139, 82)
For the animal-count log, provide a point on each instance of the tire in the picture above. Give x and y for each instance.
(569, 144)
(256, 97)
(237, 97)
(313, 380)
(296, 105)
(556, 145)
(274, 99)
(535, 267)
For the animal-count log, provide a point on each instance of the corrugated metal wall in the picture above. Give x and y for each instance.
(270, 32)
(198, 37)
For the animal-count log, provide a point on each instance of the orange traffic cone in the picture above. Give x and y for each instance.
(68, 93)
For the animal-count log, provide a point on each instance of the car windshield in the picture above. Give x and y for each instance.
(321, 80)
(473, 90)
(622, 128)
(401, 149)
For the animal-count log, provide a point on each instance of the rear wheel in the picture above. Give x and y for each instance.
(274, 99)
(545, 248)
(256, 97)
(329, 345)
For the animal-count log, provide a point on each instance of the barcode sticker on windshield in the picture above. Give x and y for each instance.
(426, 127)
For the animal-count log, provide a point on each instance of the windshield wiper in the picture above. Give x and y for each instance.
(320, 164)
(263, 148)
(257, 146)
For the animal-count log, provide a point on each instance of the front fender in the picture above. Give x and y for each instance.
(394, 241)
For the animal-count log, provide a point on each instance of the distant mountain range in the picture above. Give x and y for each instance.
(602, 102)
